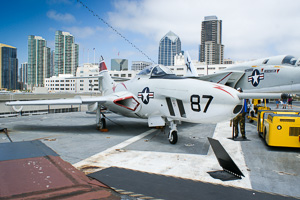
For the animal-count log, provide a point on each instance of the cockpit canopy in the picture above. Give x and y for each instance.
(156, 71)
(289, 60)
(278, 60)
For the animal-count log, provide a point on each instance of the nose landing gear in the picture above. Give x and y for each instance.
(173, 137)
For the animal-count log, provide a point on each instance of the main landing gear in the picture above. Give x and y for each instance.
(173, 137)
(100, 119)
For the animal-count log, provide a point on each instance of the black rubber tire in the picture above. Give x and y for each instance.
(173, 137)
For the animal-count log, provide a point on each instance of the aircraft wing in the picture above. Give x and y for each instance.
(100, 77)
(73, 101)
(224, 77)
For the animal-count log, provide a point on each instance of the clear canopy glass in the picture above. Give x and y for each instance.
(156, 70)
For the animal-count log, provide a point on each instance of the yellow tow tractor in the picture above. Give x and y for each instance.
(263, 114)
(282, 130)
(257, 107)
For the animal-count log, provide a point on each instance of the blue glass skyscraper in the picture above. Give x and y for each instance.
(8, 67)
(169, 46)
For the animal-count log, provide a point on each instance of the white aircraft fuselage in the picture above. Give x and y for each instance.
(269, 78)
(272, 75)
(175, 98)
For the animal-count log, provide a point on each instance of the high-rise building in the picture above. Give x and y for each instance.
(169, 46)
(211, 50)
(66, 54)
(52, 63)
(23, 75)
(8, 67)
(38, 61)
(119, 64)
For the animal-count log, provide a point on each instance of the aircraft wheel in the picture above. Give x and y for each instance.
(173, 137)
(102, 123)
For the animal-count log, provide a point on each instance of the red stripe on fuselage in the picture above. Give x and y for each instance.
(221, 88)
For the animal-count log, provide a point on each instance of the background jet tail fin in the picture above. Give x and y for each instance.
(190, 68)
(106, 82)
(102, 65)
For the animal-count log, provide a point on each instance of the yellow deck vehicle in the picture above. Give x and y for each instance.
(257, 107)
(262, 115)
(282, 130)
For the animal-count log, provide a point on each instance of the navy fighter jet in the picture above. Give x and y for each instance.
(273, 74)
(161, 97)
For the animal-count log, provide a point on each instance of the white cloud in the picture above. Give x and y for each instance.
(66, 18)
(251, 29)
(82, 32)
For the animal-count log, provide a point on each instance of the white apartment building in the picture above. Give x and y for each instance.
(139, 65)
(65, 83)
(87, 84)
(123, 74)
(60, 83)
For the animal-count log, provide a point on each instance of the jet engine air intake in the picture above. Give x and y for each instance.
(237, 109)
(127, 102)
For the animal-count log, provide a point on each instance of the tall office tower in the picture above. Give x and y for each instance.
(211, 48)
(119, 64)
(66, 54)
(52, 63)
(23, 75)
(8, 67)
(169, 46)
(38, 61)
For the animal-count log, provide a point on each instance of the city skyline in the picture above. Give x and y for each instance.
(245, 35)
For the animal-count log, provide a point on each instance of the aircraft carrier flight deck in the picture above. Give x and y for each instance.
(130, 144)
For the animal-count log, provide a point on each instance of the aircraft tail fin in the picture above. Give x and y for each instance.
(190, 68)
(102, 65)
(106, 82)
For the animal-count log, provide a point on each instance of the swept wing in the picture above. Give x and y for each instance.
(229, 78)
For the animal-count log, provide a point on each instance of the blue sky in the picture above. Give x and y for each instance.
(251, 29)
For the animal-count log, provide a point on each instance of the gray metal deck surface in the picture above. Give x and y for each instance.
(74, 137)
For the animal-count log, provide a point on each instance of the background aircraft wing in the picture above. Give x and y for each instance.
(229, 78)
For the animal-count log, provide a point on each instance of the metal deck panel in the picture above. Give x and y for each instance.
(30, 176)
(171, 188)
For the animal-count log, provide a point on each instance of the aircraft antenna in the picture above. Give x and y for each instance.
(117, 32)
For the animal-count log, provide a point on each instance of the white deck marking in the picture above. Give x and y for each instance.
(95, 157)
(189, 166)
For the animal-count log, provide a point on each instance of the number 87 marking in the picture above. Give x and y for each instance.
(195, 102)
